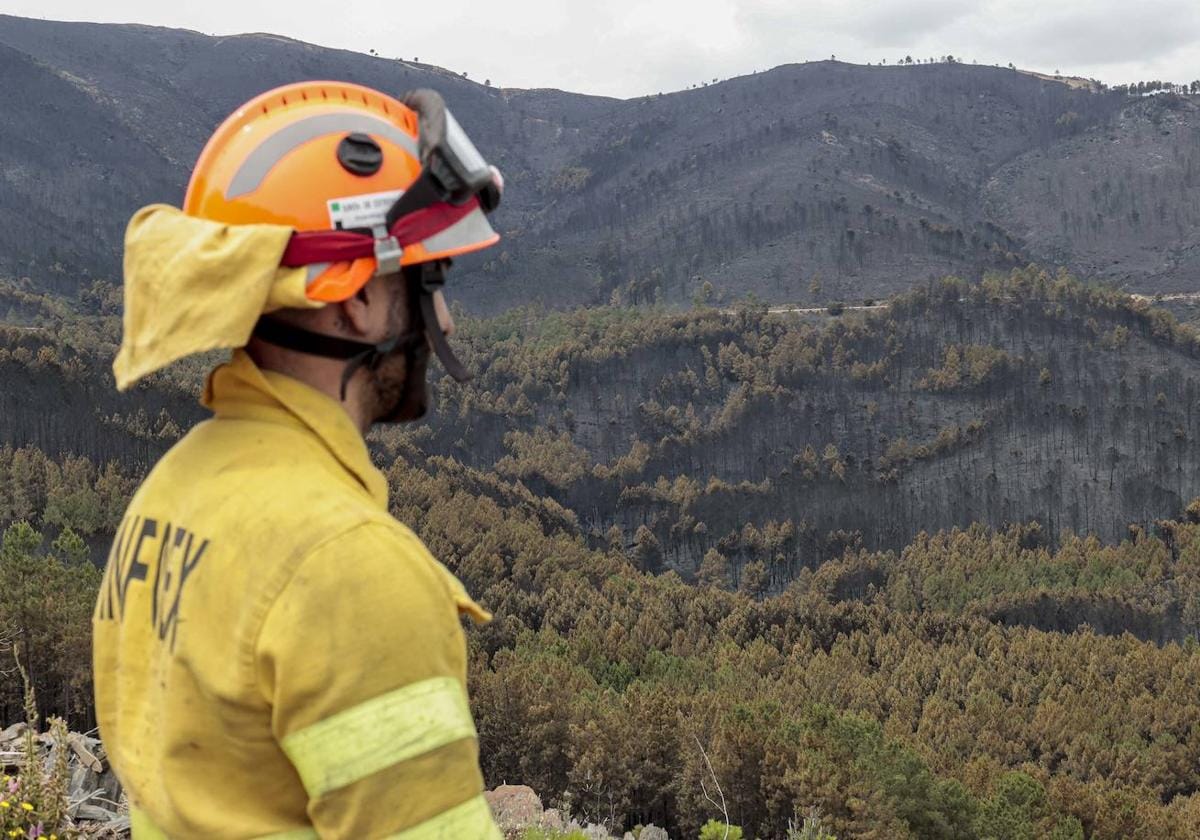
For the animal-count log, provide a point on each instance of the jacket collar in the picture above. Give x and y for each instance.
(240, 389)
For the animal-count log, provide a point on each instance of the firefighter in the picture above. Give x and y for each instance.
(275, 655)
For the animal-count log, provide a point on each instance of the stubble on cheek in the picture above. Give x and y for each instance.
(400, 393)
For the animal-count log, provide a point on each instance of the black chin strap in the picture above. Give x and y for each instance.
(441, 346)
(356, 353)
(427, 278)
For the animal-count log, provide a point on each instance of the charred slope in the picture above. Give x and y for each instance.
(1119, 202)
(1025, 398)
(784, 436)
(69, 170)
(57, 392)
(861, 179)
(810, 182)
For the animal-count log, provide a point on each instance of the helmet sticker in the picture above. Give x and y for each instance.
(361, 211)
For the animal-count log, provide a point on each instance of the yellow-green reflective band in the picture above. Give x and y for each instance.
(143, 828)
(393, 727)
(471, 820)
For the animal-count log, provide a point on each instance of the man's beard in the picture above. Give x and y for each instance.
(401, 390)
(399, 380)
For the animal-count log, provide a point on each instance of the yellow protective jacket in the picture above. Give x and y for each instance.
(275, 655)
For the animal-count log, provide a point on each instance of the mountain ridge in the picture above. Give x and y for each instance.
(807, 183)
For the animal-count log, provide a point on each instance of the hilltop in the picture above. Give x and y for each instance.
(804, 184)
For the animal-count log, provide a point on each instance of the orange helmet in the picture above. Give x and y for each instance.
(332, 160)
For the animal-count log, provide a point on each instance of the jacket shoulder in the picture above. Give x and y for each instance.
(273, 489)
(384, 553)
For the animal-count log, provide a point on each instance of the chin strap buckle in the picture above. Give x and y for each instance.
(387, 252)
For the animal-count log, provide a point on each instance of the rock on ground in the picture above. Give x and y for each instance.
(515, 807)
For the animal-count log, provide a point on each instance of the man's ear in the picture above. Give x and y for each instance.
(355, 310)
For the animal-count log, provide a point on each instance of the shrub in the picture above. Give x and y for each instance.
(34, 803)
(813, 828)
(717, 830)
(535, 833)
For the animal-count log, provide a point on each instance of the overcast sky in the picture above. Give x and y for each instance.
(624, 48)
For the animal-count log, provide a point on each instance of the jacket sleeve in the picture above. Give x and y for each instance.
(362, 658)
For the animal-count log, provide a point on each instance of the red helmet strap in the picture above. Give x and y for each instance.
(317, 246)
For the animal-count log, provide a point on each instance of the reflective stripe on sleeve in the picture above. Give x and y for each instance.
(471, 820)
(143, 828)
(394, 727)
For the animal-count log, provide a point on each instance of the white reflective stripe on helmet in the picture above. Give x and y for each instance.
(273, 148)
(472, 229)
